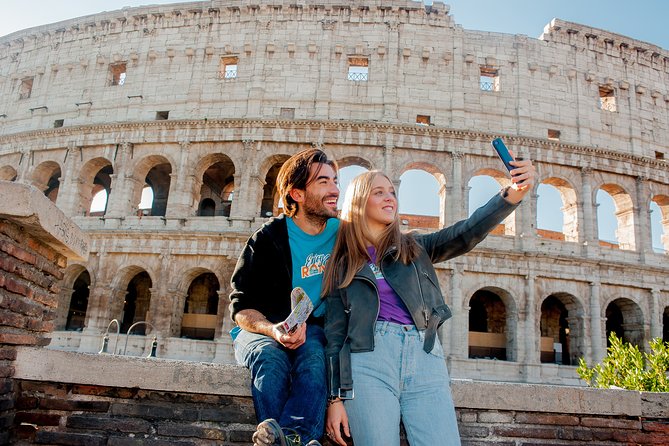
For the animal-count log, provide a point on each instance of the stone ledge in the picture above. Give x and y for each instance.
(220, 379)
(26, 206)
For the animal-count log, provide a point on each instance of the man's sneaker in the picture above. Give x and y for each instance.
(269, 433)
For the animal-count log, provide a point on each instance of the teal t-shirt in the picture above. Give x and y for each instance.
(310, 254)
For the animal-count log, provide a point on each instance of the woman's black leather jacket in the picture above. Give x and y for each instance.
(352, 312)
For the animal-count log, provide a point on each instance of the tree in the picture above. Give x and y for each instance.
(628, 368)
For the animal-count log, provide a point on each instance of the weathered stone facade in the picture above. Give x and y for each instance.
(203, 101)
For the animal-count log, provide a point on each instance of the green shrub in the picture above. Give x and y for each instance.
(628, 368)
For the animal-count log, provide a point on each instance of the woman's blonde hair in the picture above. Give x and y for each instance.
(350, 250)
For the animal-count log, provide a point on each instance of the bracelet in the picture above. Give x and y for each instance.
(335, 400)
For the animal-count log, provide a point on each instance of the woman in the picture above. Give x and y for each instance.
(384, 306)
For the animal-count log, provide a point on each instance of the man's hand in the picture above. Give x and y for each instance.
(291, 340)
(523, 177)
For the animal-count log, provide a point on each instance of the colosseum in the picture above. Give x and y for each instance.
(177, 118)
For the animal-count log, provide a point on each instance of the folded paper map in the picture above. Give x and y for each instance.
(302, 308)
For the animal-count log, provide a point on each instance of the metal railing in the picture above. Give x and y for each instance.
(358, 77)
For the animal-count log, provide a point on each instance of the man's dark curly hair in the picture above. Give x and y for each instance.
(294, 174)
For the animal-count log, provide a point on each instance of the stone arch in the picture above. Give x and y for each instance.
(492, 324)
(155, 172)
(508, 226)
(416, 170)
(46, 177)
(70, 276)
(562, 322)
(625, 318)
(355, 161)
(94, 177)
(624, 214)
(215, 180)
(200, 308)
(662, 202)
(665, 324)
(570, 210)
(268, 171)
(78, 306)
(349, 168)
(133, 284)
(8, 173)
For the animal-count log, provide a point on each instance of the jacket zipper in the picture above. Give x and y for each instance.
(378, 305)
(422, 298)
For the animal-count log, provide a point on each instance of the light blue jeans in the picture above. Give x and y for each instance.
(399, 380)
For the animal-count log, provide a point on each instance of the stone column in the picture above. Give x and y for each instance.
(597, 341)
(587, 224)
(453, 194)
(22, 175)
(36, 241)
(180, 200)
(69, 199)
(532, 338)
(388, 165)
(455, 332)
(526, 231)
(64, 297)
(248, 186)
(390, 101)
(119, 203)
(656, 314)
(323, 91)
(643, 236)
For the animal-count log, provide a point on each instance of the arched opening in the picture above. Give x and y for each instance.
(137, 301)
(270, 196)
(659, 223)
(615, 218)
(76, 314)
(555, 332)
(8, 173)
(201, 307)
(420, 199)
(349, 168)
(487, 326)
(624, 318)
(557, 211)
(158, 179)
(47, 179)
(146, 201)
(218, 185)
(482, 186)
(100, 191)
(207, 208)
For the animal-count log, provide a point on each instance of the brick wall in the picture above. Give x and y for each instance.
(70, 414)
(36, 240)
(29, 271)
(66, 398)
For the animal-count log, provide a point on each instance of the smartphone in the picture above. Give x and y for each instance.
(503, 153)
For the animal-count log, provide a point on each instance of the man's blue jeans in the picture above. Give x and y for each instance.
(287, 385)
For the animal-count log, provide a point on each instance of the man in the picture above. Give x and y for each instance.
(288, 369)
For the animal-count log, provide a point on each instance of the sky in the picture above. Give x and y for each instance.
(642, 20)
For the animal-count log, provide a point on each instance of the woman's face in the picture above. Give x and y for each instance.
(381, 209)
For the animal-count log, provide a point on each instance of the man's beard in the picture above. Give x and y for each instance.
(315, 210)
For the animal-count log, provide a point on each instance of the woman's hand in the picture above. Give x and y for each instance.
(336, 421)
(523, 178)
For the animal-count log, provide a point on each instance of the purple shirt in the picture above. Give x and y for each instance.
(391, 307)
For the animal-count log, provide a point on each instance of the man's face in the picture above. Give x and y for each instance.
(321, 194)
